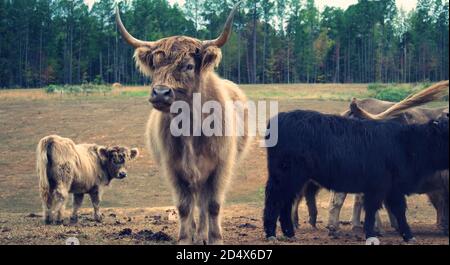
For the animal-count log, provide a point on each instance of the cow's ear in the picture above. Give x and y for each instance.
(102, 152)
(144, 60)
(134, 153)
(211, 57)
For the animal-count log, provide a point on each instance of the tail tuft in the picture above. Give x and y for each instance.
(42, 162)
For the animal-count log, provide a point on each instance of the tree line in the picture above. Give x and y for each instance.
(46, 42)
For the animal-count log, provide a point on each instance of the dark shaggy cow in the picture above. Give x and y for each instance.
(382, 160)
(436, 187)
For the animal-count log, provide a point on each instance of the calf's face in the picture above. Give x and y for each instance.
(116, 160)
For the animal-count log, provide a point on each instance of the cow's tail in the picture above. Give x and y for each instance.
(434, 92)
(42, 164)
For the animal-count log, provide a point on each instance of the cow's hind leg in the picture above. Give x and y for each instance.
(397, 204)
(357, 210)
(295, 214)
(439, 199)
(310, 196)
(392, 219)
(77, 201)
(334, 210)
(47, 205)
(60, 195)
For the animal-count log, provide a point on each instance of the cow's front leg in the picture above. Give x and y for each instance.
(184, 198)
(334, 210)
(95, 195)
(185, 207)
(310, 196)
(77, 201)
(203, 224)
(215, 190)
(372, 203)
(287, 226)
(215, 229)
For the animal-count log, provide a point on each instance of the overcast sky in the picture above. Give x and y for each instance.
(405, 4)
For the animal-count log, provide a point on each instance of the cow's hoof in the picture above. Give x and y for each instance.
(372, 241)
(59, 222)
(48, 221)
(332, 228)
(411, 241)
(313, 223)
(98, 218)
(271, 238)
(185, 242)
(287, 238)
(215, 242)
(200, 240)
(357, 229)
(379, 233)
(334, 234)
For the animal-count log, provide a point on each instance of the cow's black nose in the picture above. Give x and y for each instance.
(122, 175)
(161, 91)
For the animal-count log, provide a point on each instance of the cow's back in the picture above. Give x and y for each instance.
(73, 165)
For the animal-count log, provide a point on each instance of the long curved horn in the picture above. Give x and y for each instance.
(223, 38)
(432, 93)
(127, 36)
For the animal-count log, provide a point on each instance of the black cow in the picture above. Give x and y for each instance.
(382, 160)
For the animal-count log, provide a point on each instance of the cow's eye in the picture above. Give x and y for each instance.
(189, 67)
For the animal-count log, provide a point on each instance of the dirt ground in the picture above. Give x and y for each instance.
(138, 204)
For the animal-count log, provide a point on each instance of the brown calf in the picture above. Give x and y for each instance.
(65, 167)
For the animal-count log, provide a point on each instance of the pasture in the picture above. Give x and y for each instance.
(143, 200)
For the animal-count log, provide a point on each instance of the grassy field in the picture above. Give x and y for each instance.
(119, 117)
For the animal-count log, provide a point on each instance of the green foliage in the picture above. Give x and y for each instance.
(53, 89)
(86, 89)
(274, 41)
(392, 93)
(133, 94)
(395, 93)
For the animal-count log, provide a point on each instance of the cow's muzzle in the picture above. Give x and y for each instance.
(122, 175)
(162, 98)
